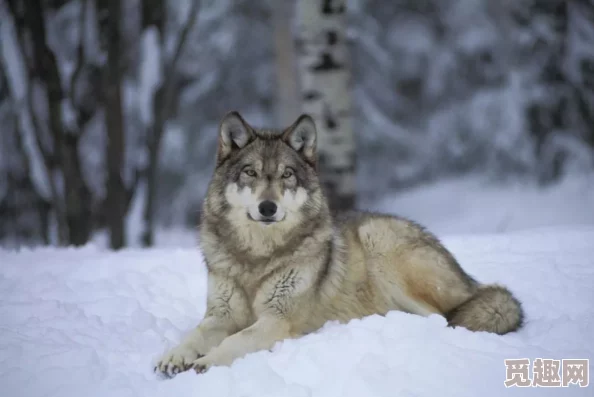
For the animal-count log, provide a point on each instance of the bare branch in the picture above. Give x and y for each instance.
(162, 105)
(172, 65)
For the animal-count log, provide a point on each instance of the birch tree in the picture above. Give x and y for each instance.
(288, 104)
(325, 77)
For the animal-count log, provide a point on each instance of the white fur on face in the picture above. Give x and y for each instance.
(294, 201)
(248, 200)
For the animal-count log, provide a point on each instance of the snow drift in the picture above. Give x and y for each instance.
(90, 322)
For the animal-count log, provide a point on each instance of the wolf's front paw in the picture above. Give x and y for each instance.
(177, 360)
(201, 365)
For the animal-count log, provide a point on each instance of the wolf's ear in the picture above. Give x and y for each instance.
(234, 134)
(302, 137)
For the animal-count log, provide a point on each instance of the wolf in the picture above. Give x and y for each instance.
(279, 266)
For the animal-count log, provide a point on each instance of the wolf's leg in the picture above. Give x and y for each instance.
(274, 306)
(211, 331)
(263, 334)
(227, 312)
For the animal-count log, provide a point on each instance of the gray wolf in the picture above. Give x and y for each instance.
(279, 265)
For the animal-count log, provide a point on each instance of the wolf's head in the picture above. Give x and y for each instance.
(265, 181)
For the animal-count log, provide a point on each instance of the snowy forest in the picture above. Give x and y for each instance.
(109, 109)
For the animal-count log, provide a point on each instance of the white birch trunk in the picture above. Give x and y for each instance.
(288, 104)
(325, 72)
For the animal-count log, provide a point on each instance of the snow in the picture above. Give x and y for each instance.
(474, 205)
(93, 322)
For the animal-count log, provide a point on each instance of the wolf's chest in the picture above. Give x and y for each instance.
(248, 277)
(252, 279)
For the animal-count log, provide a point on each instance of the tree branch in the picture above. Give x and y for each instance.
(80, 53)
(83, 116)
(172, 66)
(161, 106)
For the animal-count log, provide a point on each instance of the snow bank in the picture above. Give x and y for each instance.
(91, 322)
(472, 205)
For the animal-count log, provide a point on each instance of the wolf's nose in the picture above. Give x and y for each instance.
(267, 208)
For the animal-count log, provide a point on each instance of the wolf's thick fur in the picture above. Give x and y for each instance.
(282, 270)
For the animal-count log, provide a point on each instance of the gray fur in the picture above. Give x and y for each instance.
(277, 277)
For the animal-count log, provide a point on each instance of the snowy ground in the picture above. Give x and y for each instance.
(472, 205)
(91, 322)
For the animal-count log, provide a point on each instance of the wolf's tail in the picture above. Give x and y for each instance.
(492, 308)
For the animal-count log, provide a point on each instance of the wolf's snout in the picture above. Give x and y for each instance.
(267, 208)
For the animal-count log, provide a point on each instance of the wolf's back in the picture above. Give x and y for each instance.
(493, 308)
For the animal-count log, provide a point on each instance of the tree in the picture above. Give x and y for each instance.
(559, 112)
(71, 102)
(23, 208)
(547, 114)
(57, 139)
(71, 63)
(580, 65)
(162, 102)
(326, 83)
(116, 190)
(288, 104)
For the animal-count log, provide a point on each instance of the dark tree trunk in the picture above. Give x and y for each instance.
(77, 197)
(116, 191)
(30, 203)
(153, 14)
(23, 209)
(154, 145)
(50, 165)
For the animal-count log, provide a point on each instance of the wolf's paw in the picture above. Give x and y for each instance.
(178, 359)
(201, 365)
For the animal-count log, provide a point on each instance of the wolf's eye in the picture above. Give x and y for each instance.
(288, 173)
(249, 172)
